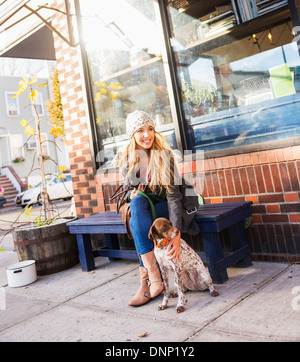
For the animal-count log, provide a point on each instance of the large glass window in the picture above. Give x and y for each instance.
(124, 48)
(238, 70)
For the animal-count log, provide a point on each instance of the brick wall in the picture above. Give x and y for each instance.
(271, 179)
(76, 119)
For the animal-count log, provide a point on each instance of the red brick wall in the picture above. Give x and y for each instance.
(76, 119)
(271, 179)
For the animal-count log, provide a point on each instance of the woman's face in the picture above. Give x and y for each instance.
(144, 137)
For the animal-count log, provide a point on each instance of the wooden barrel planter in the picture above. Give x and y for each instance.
(52, 247)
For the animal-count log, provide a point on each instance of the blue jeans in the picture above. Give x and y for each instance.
(141, 221)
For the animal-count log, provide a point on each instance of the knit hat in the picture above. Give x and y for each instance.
(136, 120)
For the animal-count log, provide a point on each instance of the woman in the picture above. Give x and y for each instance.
(148, 164)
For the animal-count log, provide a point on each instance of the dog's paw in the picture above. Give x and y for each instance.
(214, 293)
(162, 307)
(180, 309)
(173, 294)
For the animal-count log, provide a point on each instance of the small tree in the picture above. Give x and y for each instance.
(56, 129)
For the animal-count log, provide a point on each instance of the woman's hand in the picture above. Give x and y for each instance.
(174, 248)
(133, 193)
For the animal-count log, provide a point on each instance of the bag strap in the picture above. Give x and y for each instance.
(123, 192)
(150, 202)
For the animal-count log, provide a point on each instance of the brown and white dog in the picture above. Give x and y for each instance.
(190, 273)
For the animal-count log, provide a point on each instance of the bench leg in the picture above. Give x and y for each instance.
(238, 239)
(112, 242)
(86, 256)
(214, 254)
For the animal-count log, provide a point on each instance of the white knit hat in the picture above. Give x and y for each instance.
(136, 120)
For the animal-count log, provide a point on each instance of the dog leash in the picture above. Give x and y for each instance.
(150, 202)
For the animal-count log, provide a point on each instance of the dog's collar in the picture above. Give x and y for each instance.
(163, 243)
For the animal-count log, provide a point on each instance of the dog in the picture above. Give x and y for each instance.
(190, 272)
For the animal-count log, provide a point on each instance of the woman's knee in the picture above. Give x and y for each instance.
(138, 202)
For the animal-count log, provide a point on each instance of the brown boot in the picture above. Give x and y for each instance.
(155, 282)
(143, 294)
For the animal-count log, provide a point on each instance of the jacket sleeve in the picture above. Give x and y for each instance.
(175, 207)
(175, 199)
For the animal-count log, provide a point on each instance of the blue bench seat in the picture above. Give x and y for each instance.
(212, 219)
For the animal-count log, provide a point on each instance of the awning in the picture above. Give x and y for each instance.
(26, 30)
(17, 22)
(39, 45)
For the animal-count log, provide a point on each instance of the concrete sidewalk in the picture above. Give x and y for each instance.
(256, 304)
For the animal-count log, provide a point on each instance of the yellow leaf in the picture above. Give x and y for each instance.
(22, 88)
(113, 95)
(62, 168)
(115, 86)
(29, 130)
(42, 85)
(28, 211)
(98, 97)
(60, 176)
(24, 123)
(33, 80)
(100, 84)
(56, 131)
(33, 95)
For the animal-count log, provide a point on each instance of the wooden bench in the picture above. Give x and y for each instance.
(212, 219)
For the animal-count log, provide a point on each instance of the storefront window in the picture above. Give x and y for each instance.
(238, 70)
(124, 53)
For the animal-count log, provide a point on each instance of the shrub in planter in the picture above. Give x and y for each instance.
(19, 160)
(47, 240)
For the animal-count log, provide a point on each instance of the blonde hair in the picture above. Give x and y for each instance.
(160, 167)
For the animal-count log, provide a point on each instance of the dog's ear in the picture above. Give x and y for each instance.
(152, 233)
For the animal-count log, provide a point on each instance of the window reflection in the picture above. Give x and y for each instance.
(239, 83)
(124, 52)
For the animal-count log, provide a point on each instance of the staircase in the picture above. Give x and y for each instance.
(10, 192)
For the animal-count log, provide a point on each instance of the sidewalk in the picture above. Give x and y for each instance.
(255, 304)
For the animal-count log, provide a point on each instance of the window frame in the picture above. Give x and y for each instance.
(7, 105)
(41, 104)
(20, 136)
